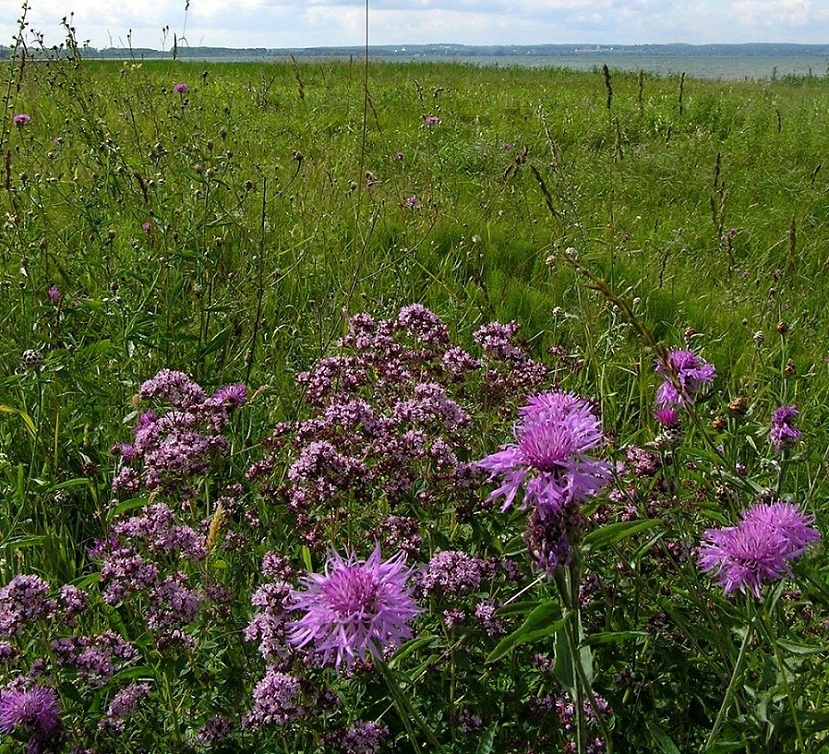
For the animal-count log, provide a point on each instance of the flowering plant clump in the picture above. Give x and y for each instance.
(172, 448)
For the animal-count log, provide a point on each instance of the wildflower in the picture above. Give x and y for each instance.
(34, 711)
(549, 456)
(683, 373)
(399, 155)
(411, 202)
(54, 294)
(787, 520)
(758, 550)
(123, 704)
(146, 226)
(275, 700)
(363, 738)
(783, 433)
(355, 607)
(181, 88)
(431, 120)
(21, 119)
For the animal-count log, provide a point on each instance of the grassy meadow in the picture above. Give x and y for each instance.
(230, 229)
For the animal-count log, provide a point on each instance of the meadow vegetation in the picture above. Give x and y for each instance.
(264, 329)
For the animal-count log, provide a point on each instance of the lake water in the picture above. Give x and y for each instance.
(728, 62)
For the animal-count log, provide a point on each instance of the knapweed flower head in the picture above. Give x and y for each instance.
(181, 88)
(21, 119)
(683, 373)
(54, 293)
(355, 608)
(782, 432)
(758, 550)
(431, 120)
(549, 457)
(33, 711)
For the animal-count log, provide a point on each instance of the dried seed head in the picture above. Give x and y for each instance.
(738, 406)
(782, 327)
(790, 369)
(719, 423)
(759, 337)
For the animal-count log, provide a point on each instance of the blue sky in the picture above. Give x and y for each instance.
(308, 23)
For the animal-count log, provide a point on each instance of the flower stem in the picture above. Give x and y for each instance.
(406, 711)
(732, 684)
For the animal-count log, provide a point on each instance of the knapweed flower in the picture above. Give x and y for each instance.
(355, 608)
(33, 711)
(758, 550)
(683, 373)
(411, 202)
(181, 88)
(548, 458)
(54, 293)
(782, 432)
(431, 120)
(21, 119)
(789, 521)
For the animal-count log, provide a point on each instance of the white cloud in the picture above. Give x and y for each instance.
(306, 23)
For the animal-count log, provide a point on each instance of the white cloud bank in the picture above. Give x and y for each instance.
(308, 23)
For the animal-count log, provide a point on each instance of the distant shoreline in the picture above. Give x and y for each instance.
(758, 61)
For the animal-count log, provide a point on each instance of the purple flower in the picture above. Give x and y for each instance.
(181, 88)
(787, 520)
(431, 120)
(21, 119)
(549, 456)
(744, 557)
(683, 373)
(411, 202)
(354, 608)
(363, 738)
(146, 226)
(274, 700)
(783, 433)
(757, 551)
(34, 711)
(54, 293)
(667, 417)
(123, 704)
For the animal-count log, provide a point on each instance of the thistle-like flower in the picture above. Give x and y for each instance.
(33, 711)
(548, 458)
(782, 432)
(355, 608)
(684, 373)
(758, 550)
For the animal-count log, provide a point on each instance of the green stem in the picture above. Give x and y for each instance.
(732, 684)
(781, 668)
(406, 711)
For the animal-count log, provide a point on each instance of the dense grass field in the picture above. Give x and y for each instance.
(229, 222)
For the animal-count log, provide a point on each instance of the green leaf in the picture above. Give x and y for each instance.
(410, 646)
(800, 649)
(608, 535)
(487, 741)
(542, 621)
(662, 740)
(611, 637)
(215, 343)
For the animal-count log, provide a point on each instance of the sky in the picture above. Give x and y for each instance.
(312, 23)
